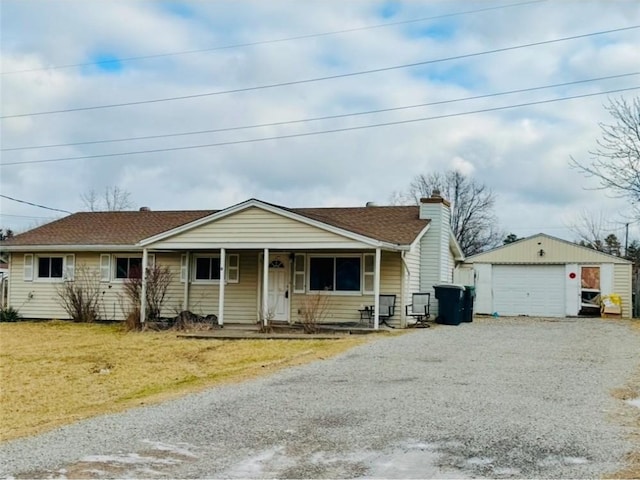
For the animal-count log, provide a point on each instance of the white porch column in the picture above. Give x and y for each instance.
(265, 287)
(376, 291)
(185, 299)
(223, 278)
(143, 293)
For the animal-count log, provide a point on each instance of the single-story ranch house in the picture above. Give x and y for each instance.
(240, 262)
(545, 276)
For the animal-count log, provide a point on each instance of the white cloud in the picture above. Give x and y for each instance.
(522, 154)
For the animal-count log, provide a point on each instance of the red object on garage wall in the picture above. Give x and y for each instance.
(572, 275)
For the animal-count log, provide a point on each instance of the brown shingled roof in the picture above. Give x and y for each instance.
(398, 225)
(106, 228)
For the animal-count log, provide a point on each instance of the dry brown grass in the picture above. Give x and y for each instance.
(55, 373)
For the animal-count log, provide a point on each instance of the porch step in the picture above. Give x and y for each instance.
(229, 334)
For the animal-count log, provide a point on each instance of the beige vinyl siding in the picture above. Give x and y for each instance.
(451, 264)
(240, 299)
(622, 286)
(434, 259)
(254, 225)
(175, 292)
(39, 299)
(412, 273)
(344, 308)
(555, 251)
(35, 299)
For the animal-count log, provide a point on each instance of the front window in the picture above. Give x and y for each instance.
(207, 268)
(128, 267)
(50, 267)
(334, 274)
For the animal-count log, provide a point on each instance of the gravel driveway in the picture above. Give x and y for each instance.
(497, 398)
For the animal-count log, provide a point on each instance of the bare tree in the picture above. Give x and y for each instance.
(616, 160)
(112, 199)
(594, 231)
(472, 219)
(590, 228)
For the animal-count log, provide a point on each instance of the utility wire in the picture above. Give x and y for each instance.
(319, 132)
(34, 204)
(319, 79)
(25, 216)
(277, 40)
(313, 119)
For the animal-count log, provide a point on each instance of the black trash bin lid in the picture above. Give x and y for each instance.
(449, 285)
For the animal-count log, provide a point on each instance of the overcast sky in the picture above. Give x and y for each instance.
(521, 153)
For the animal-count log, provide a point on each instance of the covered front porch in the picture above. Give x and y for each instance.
(272, 285)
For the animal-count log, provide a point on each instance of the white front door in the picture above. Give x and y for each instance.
(279, 287)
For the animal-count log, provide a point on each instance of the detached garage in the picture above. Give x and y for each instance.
(545, 276)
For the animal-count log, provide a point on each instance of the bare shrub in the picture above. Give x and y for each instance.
(313, 310)
(158, 281)
(186, 320)
(132, 322)
(81, 296)
(264, 324)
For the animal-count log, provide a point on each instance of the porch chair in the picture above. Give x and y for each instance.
(387, 308)
(419, 308)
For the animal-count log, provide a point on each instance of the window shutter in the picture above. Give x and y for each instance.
(368, 272)
(28, 267)
(69, 267)
(233, 268)
(105, 267)
(298, 273)
(184, 267)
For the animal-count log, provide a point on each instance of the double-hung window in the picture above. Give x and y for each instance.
(206, 268)
(122, 267)
(335, 274)
(128, 267)
(347, 273)
(49, 267)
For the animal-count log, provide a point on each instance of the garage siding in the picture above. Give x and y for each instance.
(534, 290)
(622, 286)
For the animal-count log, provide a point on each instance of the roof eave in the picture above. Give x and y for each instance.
(71, 248)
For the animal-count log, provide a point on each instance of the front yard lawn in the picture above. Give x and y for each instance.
(55, 373)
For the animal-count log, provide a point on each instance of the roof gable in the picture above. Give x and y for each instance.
(554, 250)
(369, 225)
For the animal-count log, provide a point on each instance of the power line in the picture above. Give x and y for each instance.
(277, 40)
(319, 79)
(313, 119)
(25, 216)
(320, 132)
(34, 204)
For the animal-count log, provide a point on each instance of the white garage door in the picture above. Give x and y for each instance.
(535, 290)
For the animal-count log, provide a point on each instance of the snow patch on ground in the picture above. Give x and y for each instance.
(259, 464)
(180, 449)
(634, 402)
(128, 459)
(482, 461)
